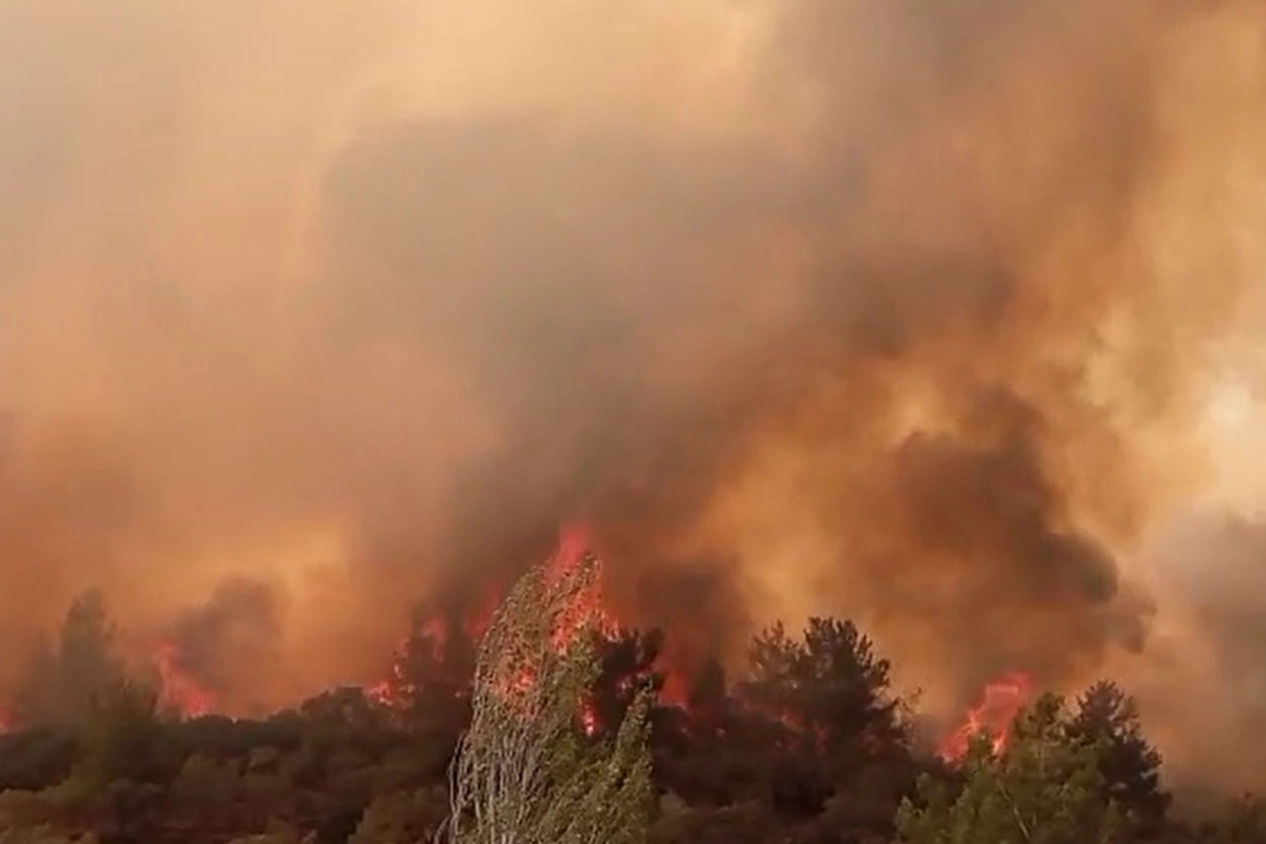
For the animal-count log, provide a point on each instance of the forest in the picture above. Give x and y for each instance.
(807, 744)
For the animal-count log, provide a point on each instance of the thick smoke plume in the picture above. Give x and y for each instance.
(905, 311)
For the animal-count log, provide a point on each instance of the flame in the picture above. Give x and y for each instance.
(586, 611)
(588, 718)
(573, 541)
(480, 618)
(675, 690)
(392, 690)
(380, 693)
(178, 690)
(1001, 702)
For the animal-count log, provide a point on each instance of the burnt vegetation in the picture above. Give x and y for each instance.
(809, 745)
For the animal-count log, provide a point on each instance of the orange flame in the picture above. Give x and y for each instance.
(388, 691)
(586, 611)
(178, 690)
(588, 718)
(675, 690)
(588, 607)
(1001, 702)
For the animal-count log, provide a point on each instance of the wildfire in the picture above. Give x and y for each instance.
(387, 692)
(178, 690)
(429, 639)
(588, 607)
(676, 689)
(586, 611)
(432, 635)
(1001, 702)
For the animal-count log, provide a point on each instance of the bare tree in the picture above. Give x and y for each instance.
(525, 771)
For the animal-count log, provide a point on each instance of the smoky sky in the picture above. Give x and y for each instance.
(900, 311)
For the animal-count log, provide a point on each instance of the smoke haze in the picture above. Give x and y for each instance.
(906, 311)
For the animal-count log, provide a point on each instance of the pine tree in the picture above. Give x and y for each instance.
(1130, 766)
(828, 691)
(1043, 788)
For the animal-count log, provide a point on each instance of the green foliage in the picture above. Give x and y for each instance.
(50, 807)
(208, 782)
(1044, 788)
(36, 758)
(1130, 766)
(811, 748)
(402, 817)
(829, 688)
(525, 772)
(123, 737)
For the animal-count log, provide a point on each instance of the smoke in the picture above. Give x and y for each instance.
(1204, 683)
(228, 645)
(902, 311)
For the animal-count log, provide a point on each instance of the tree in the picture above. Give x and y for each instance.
(124, 738)
(828, 691)
(1130, 766)
(708, 702)
(400, 818)
(525, 773)
(62, 683)
(1043, 788)
(626, 669)
(429, 683)
(36, 758)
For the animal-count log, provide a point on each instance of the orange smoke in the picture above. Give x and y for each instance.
(993, 715)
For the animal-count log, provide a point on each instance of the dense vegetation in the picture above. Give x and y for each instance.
(809, 746)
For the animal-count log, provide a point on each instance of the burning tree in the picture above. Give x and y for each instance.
(526, 772)
(1043, 786)
(993, 715)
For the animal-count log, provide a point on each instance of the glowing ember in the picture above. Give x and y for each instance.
(380, 693)
(178, 690)
(1002, 701)
(588, 718)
